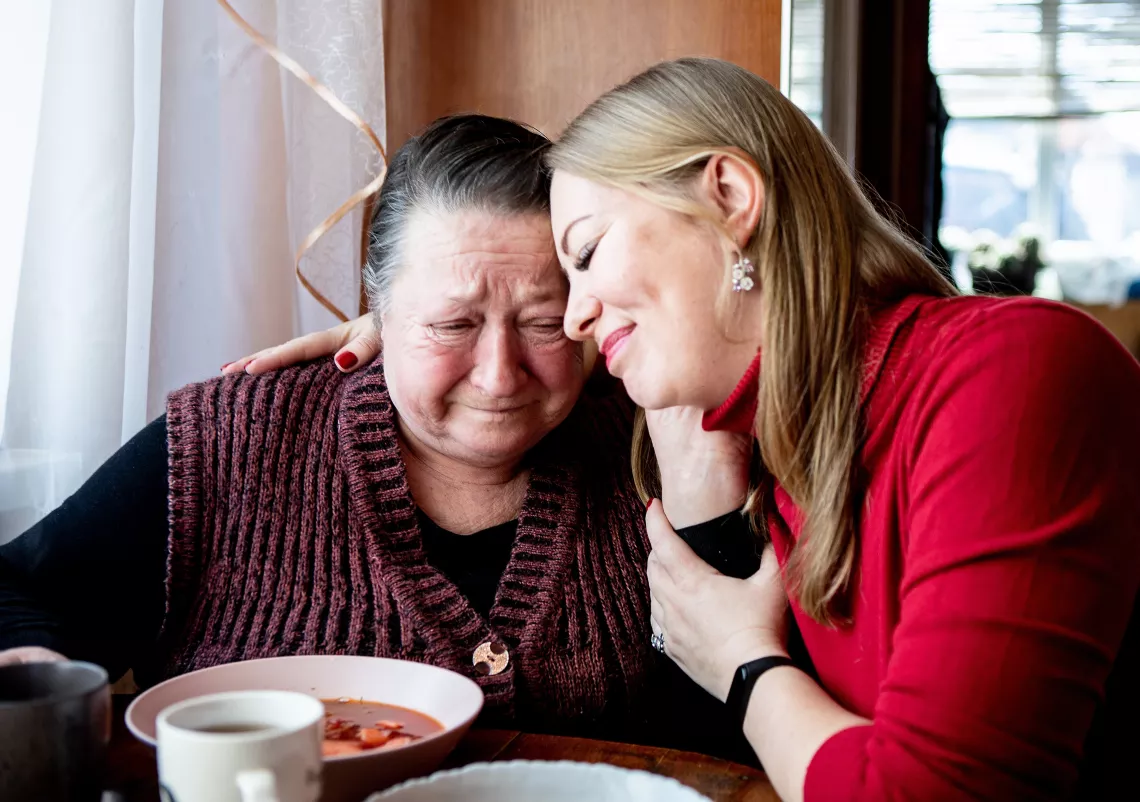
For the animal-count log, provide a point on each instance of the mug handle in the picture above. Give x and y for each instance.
(257, 785)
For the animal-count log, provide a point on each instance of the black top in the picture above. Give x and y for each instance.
(88, 581)
(474, 563)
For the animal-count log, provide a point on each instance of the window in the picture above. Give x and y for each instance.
(806, 58)
(1044, 99)
(1075, 180)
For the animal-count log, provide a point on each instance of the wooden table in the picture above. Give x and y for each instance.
(133, 773)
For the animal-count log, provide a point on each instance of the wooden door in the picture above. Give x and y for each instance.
(543, 61)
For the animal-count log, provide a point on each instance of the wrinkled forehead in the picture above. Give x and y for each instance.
(486, 282)
(478, 257)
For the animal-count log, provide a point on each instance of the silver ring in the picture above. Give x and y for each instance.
(658, 642)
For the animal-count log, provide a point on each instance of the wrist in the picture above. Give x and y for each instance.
(746, 679)
(760, 651)
(744, 653)
(691, 497)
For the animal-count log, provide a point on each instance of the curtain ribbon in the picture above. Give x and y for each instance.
(326, 94)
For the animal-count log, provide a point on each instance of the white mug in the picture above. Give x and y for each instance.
(243, 746)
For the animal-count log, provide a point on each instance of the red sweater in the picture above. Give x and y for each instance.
(999, 553)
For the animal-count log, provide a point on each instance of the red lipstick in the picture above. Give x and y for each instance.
(612, 344)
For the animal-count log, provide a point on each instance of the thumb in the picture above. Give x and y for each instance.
(769, 570)
(671, 550)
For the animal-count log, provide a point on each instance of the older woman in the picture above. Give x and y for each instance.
(455, 503)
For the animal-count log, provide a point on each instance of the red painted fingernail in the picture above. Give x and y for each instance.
(346, 360)
(648, 504)
(226, 366)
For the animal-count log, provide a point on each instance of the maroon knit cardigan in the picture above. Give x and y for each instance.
(293, 531)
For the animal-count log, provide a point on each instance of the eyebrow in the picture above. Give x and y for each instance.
(566, 234)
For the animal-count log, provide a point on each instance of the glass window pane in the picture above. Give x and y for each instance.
(1097, 177)
(989, 169)
(1020, 58)
(806, 89)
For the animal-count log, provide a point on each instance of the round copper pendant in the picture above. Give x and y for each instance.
(490, 658)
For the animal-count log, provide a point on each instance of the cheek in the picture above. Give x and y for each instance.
(632, 273)
(558, 368)
(420, 378)
(685, 285)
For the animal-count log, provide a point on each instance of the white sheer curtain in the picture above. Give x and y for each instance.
(169, 171)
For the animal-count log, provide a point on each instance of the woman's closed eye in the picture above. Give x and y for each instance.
(452, 328)
(547, 328)
(582, 263)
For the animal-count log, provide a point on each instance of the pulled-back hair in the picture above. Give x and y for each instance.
(465, 162)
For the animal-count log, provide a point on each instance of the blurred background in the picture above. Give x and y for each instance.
(163, 175)
(1041, 157)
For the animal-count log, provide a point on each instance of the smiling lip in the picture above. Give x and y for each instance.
(614, 342)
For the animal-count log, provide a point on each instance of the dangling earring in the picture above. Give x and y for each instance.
(742, 275)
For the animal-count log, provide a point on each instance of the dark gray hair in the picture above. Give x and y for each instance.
(465, 162)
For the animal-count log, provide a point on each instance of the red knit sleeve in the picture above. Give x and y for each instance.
(1020, 554)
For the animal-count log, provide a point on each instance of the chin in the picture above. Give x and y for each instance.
(493, 456)
(493, 449)
(646, 396)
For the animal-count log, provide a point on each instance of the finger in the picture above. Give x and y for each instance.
(360, 351)
(674, 554)
(656, 613)
(656, 629)
(239, 365)
(301, 349)
(659, 580)
(29, 654)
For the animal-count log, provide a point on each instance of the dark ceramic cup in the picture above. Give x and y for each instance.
(55, 724)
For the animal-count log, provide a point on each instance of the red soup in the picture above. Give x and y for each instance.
(353, 726)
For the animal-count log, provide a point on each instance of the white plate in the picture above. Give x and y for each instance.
(540, 780)
(451, 699)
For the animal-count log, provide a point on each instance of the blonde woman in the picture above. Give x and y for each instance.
(950, 486)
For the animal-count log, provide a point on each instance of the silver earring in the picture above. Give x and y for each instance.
(742, 275)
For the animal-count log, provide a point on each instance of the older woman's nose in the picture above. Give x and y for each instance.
(582, 313)
(499, 370)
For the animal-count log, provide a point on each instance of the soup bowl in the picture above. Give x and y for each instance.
(454, 701)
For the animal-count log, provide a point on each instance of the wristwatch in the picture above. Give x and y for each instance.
(745, 678)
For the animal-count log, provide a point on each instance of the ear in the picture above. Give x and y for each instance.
(731, 182)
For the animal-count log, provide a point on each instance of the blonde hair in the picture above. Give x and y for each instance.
(824, 257)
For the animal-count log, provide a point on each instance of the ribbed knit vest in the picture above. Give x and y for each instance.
(293, 531)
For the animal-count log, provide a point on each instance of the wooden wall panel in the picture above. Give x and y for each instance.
(542, 61)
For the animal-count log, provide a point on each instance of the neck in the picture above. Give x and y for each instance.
(734, 357)
(459, 496)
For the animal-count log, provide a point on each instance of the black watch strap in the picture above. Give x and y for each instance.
(745, 678)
